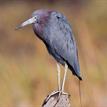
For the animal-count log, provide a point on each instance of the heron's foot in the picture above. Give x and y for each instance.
(64, 93)
(60, 92)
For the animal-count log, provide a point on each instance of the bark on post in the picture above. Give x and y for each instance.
(56, 100)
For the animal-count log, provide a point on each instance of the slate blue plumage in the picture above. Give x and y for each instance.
(57, 35)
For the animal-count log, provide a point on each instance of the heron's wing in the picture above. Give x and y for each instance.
(63, 43)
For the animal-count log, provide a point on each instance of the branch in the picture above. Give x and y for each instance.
(57, 99)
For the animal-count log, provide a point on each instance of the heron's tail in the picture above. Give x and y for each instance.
(74, 71)
(80, 78)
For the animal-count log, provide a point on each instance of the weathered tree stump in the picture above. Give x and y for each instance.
(57, 99)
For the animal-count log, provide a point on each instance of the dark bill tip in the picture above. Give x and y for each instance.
(18, 27)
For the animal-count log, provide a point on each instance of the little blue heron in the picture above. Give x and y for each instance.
(54, 30)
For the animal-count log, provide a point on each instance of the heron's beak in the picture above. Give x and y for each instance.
(27, 22)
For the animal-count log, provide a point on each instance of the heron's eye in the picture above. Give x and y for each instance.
(58, 17)
(37, 20)
(35, 17)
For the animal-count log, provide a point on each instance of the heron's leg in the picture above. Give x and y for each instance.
(58, 76)
(65, 73)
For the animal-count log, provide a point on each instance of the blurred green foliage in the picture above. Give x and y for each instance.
(28, 73)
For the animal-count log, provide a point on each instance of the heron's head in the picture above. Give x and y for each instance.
(38, 18)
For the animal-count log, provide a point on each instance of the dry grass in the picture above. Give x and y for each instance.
(28, 73)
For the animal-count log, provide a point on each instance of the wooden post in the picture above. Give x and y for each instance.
(57, 99)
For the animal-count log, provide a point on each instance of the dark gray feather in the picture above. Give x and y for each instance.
(60, 42)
